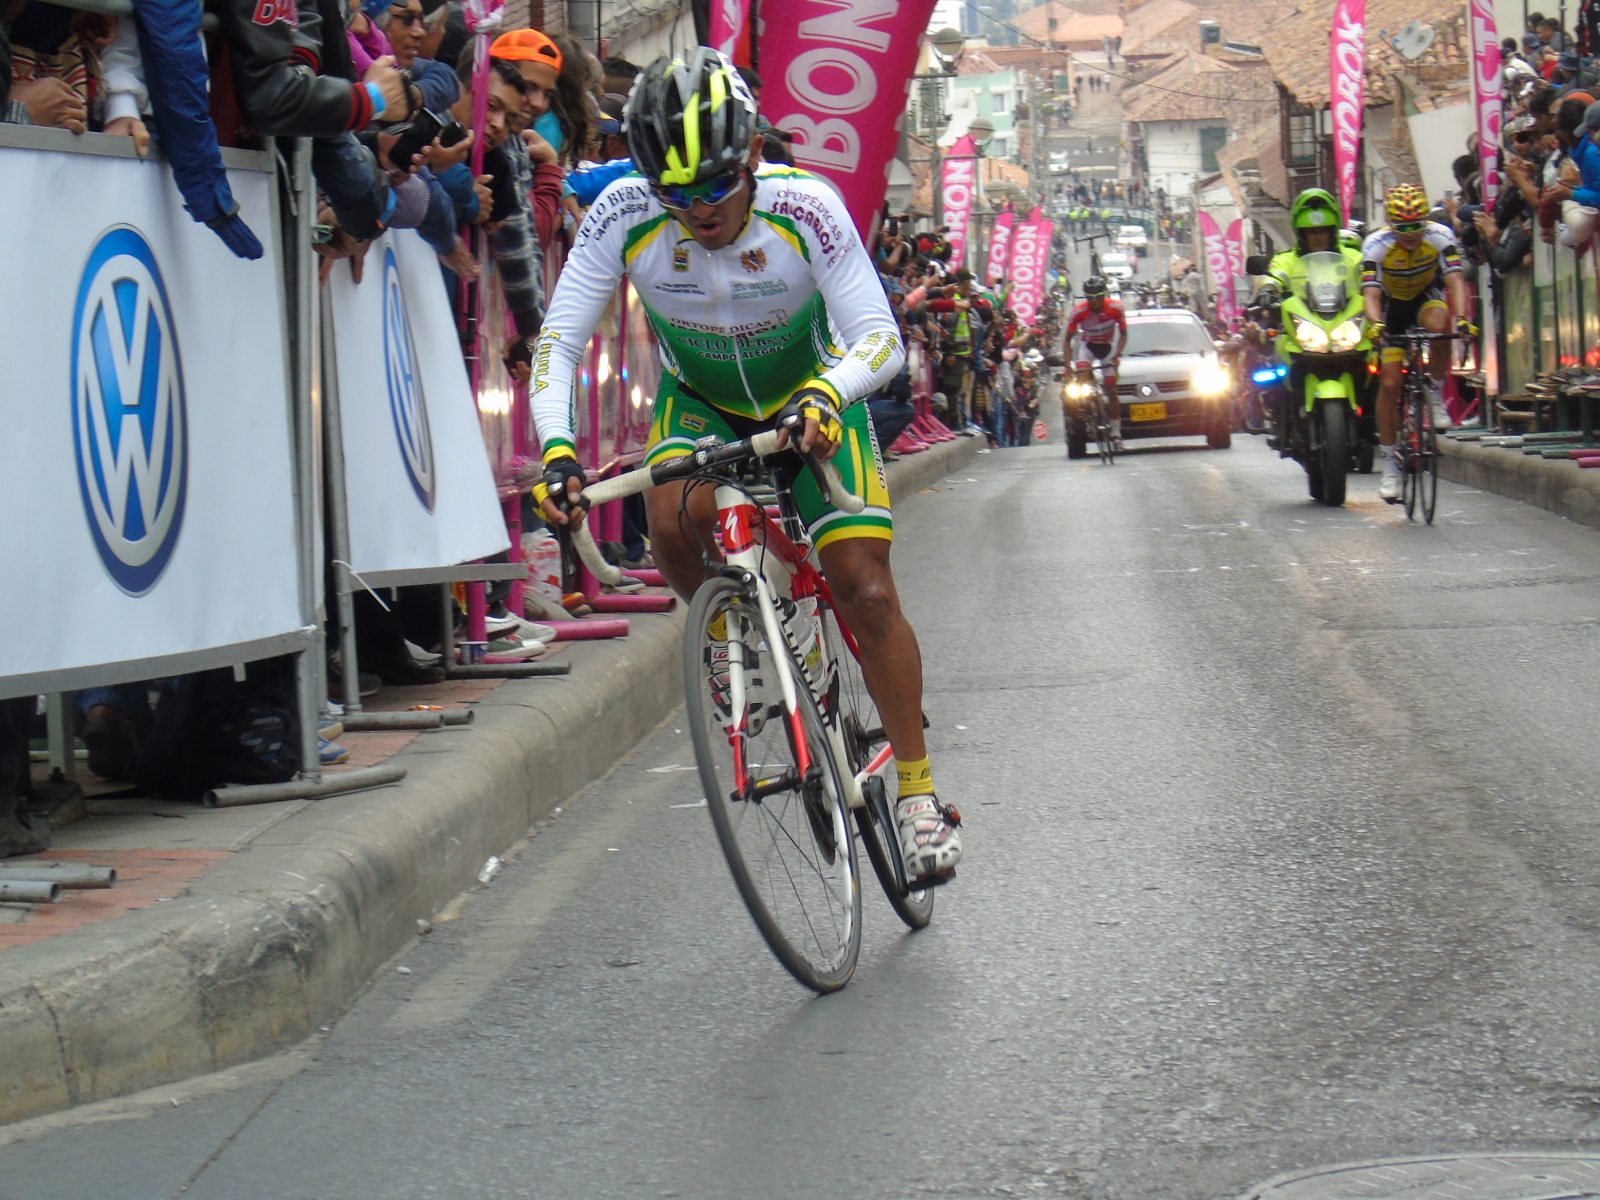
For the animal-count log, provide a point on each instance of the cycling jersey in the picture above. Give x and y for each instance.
(1097, 328)
(793, 298)
(1405, 274)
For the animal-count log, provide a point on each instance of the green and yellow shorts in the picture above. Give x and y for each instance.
(683, 419)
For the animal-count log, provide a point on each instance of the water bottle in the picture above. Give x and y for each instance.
(808, 643)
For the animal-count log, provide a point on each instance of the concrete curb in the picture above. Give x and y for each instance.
(1560, 486)
(280, 938)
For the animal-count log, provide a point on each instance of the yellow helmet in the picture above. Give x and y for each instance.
(1407, 202)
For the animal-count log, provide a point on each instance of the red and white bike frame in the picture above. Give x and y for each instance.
(754, 542)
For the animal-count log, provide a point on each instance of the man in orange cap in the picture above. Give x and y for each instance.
(538, 59)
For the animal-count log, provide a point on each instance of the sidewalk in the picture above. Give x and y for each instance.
(1559, 485)
(232, 933)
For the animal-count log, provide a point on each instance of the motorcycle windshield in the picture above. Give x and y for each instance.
(1327, 282)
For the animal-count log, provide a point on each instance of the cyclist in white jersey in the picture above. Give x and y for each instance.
(761, 296)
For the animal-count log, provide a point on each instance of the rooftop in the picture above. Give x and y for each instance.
(1296, 46)
(1195, 87)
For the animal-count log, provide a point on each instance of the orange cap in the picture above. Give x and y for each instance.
(526, 45)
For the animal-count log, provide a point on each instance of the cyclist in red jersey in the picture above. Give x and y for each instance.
(1103, 325)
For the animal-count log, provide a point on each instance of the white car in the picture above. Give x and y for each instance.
(1133, 235)
(1115, 271)
(1170, 382)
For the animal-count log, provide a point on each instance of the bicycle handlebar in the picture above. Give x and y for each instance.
(760, 445)
(1397, 339)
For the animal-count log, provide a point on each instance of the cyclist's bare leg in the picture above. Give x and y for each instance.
(678, 541)
(1436, 319)
(863, 588)
(1390, 376)
(1113, 400)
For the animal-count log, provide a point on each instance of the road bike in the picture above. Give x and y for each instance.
(1417, 449)
(787, 738)
(1083, 396)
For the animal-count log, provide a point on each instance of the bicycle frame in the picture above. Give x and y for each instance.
(751, 539)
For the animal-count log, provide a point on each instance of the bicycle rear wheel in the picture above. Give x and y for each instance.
(861, 729)
(773, 790)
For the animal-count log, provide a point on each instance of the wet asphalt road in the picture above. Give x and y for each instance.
(1282, 851)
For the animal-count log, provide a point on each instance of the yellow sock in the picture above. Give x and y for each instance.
(916, 778)
(717, 627)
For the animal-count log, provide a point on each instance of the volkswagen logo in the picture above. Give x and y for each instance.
(407, 404)
(130, 422)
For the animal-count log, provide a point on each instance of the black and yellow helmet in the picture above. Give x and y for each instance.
(689, 118)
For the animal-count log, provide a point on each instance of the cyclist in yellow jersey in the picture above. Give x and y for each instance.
(1408, 269)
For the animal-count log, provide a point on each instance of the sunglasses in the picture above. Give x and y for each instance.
(711, 191)
(1409, 226)
(405, 17)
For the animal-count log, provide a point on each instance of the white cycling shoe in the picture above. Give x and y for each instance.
(1389, 487)
(930, 836)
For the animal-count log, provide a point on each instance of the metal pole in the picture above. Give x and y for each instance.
(299, 261)
(339, 518)
(58, 718)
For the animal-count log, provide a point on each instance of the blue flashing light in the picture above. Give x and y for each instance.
(1270, 374)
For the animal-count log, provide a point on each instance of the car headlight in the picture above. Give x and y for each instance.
(1210, 380)
(1311, 337)
(1346, 336)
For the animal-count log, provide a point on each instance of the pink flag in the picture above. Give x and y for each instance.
(1217, 264)
(1233, 249)
(1486, 96)
(729, 19)
(836, 75)
(1347, 70)
(960, 175)
(999, 248)
(1030, 259)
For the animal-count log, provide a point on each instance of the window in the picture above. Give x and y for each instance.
(1302, 140)
(998, 104)
(1212, 140)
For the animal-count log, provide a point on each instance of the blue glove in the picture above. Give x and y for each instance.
(238, 236)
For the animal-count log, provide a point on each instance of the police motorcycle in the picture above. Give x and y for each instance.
(1320, 388)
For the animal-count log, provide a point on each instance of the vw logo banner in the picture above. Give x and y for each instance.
(147, 458)
(420, 491)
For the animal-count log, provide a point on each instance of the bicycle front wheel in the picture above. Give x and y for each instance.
(773, 789)
(1428, 472)
(1410, 447)
(855, 713)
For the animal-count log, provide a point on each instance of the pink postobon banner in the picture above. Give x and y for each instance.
(1216, 262)
(729, 22)
(1486, 87)
(1347, 70)
(999, 248)
(1030, 260)
(836, 75)
(958, 184)
(1233, 252)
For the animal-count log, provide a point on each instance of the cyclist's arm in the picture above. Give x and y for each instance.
(1455, 281)
(588, 281)
(856, 304)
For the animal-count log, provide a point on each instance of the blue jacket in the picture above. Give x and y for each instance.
(588, 182)
(1587, 155)
(175, 75)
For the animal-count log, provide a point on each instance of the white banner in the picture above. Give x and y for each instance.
(145, 471)
(417, 477)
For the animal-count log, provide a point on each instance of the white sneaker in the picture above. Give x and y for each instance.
(1441, 414)
(419, 656)
(930, 836)
(533, 631)
(1389, 486)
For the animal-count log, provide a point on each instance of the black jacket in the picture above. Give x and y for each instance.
(292, 68)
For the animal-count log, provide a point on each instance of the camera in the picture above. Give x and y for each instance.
(419, 133)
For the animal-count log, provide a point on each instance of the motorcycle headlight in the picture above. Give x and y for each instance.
(1210, 380)
(1346, 336)
(1311, 337)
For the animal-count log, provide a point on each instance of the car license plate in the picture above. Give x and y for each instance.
(1148, 412)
